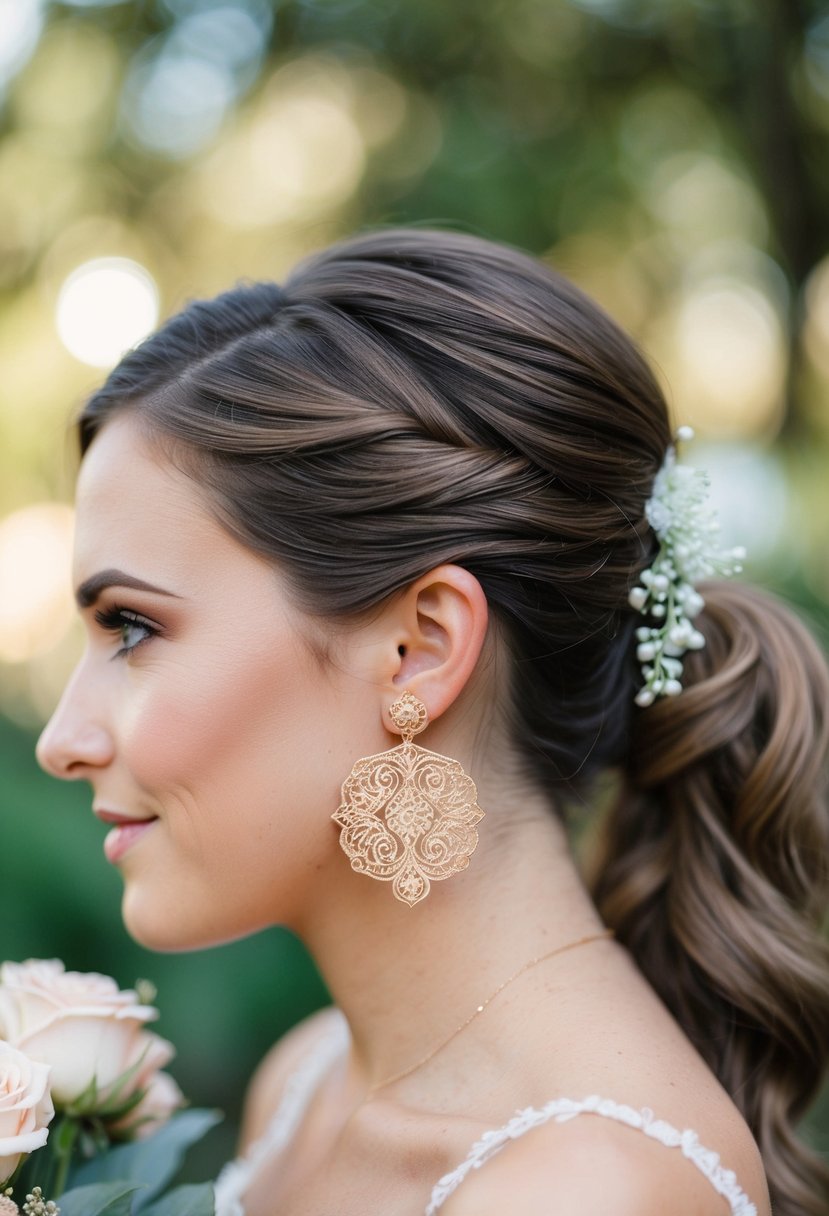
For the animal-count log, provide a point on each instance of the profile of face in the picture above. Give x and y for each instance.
(199, 705)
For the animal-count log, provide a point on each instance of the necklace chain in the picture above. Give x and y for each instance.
(398, 1076)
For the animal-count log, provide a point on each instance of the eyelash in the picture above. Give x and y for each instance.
(116, 619)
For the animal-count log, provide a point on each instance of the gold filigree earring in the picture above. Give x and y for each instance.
(408, 815)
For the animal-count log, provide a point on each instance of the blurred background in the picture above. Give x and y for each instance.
(671, 156)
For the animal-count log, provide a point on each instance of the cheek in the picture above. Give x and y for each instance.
(233, 742)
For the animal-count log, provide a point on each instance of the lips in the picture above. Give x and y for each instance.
(116, 816)
(126, 832)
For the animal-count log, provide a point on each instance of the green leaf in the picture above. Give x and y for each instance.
(198, 1199)
(103, 1199)
(111, 1104)
(64, 1140)
(153, 1162)
(112, 1110)
(86, 1100)
(89, 1101)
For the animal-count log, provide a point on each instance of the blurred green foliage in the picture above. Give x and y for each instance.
(670, 155)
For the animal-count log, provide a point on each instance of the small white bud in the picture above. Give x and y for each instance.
(673, 688)
(658, 610)
(645, 651)
(644, 697)
(661, 582)
(696, 641)
(638, 597)
(685, 434)
(146, 991)
(643, 634)
(694, 604)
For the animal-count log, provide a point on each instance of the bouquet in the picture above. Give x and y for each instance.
(89, 1120)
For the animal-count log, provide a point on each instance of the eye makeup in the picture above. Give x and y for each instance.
(124, 620)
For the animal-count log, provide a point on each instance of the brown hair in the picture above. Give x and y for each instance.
(416, 397)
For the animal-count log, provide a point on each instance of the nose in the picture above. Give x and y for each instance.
(74, 739)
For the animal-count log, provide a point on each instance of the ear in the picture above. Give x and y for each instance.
(438, 628)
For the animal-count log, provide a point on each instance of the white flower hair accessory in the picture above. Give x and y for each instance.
(686, 525)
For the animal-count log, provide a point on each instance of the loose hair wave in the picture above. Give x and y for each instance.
(413, 397)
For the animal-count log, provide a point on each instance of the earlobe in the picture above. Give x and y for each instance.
(446, 616)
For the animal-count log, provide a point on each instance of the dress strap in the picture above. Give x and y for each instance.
(299, 1089)
(562, 1109)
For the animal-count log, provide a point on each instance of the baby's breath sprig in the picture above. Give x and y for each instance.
(36, 1205)
(687, 526)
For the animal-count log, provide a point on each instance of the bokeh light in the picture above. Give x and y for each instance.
(730, 354)
(181, 85)
(36, 607)
(21, 22)
(232, 34)
(105, 307)
(701, 199)
(751, 494)
(722, 343)
(174, 103)
(300, 155)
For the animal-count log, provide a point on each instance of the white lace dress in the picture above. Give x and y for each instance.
(298, 1091)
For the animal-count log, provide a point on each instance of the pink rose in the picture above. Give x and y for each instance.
(81, 1025)
(25, 1107)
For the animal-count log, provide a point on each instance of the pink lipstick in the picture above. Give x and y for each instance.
(126, 832)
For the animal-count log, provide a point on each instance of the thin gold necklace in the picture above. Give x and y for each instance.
(398, 1076)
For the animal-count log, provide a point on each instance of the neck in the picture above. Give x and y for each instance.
(407, 977)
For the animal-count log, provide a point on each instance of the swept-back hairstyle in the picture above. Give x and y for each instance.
(410, 398)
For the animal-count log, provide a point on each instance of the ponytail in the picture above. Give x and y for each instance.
(713, 868)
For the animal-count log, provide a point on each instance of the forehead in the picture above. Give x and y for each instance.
(135, 509)
(121, 455)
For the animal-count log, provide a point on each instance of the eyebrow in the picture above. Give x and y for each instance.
(88, 592)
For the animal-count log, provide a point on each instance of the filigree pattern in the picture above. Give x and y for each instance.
(408, 817)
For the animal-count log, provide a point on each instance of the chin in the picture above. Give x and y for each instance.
(169, 928)
(152, 923)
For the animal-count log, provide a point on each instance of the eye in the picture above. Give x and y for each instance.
(130, 625)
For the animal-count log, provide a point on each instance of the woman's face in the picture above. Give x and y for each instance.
(199, 706)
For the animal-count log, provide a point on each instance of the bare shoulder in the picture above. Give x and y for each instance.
(588, 1166)
(268, 1081)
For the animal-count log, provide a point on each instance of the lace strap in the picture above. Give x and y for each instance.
(299, 1088)
(561, 1109)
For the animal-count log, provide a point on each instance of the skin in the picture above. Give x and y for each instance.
(228, 727)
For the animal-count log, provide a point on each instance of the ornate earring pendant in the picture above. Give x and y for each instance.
(408, 815)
